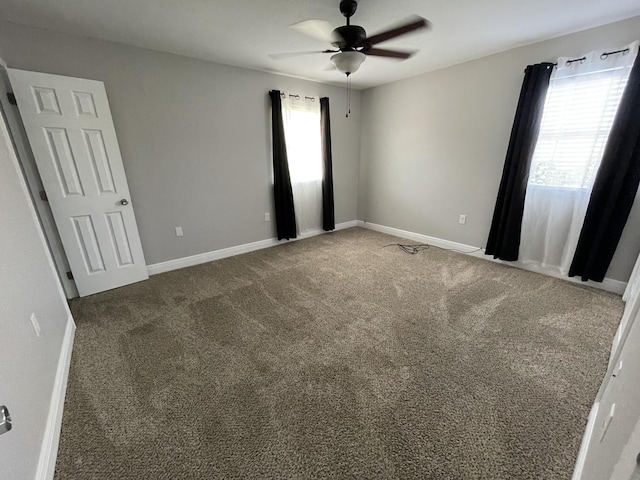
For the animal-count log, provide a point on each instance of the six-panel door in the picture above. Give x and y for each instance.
(71, 132)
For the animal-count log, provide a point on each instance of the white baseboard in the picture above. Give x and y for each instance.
(608, 284)
(231, 251)
(51, 440)
(418, 237)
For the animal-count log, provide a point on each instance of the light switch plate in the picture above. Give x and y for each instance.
(179, 232)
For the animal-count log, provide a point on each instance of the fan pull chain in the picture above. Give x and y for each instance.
(350, 88)
(348, 95)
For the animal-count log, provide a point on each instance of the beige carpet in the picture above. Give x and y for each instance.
(334, 357)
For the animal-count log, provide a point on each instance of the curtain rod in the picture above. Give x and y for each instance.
(604, 56)
(284, 94)
(624, 51)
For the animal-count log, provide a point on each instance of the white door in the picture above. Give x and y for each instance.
(71, 132)
(611, 442)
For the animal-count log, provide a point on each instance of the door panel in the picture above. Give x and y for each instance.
(71, 132)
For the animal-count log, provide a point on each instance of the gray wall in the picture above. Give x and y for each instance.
(28, 284)
(196, 143)
(195, 137)
(433, 146)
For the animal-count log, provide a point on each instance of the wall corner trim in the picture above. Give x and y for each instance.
(51, 439)
(609, 284)
(231, 251)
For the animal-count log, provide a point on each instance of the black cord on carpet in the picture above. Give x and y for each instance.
(416, 248)
(412, 249)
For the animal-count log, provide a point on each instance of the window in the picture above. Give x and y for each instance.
(578, 115)
(302, 133)
(581, 104)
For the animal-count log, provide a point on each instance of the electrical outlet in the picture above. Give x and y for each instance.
(462, 220)
(35, 324)
(179, 232)
(267, 217)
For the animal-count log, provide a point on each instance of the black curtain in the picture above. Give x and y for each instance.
(614, 188)
(282, 192)
(504, 236)
(328, 214)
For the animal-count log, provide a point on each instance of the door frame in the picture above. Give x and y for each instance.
(34, 183)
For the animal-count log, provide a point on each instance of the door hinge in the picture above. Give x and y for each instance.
(43, 196)
(12, 98)
(70, 275)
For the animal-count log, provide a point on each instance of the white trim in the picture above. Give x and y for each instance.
(609, 284)
(231, 251)
(418, 237)
(51, 438)
(586, 439)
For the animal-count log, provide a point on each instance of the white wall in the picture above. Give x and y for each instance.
(433, 146)
(28, 363)
(195, 137)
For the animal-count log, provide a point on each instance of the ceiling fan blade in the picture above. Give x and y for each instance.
(415, 23)
(380, 52)
(318, 29)
(280, 56)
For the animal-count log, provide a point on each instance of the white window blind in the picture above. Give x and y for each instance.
(578, 115)
(302, 133)
(304, 153)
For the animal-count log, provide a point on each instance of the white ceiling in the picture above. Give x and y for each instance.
(244, 32)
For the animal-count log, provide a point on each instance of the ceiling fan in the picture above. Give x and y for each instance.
(352, 45)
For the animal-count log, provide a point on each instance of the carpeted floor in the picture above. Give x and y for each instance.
(334, 357)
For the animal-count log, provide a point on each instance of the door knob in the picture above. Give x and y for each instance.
(5, 420)
(124, 201)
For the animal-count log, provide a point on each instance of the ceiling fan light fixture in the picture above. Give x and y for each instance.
(348, 62)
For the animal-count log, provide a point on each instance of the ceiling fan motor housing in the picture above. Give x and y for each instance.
(349, 37)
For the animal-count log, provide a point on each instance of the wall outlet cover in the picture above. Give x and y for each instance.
(179, 232)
